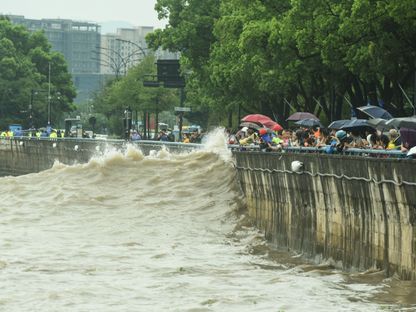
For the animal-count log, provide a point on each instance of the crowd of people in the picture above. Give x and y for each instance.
(165, 135)
(276, 139)
(33, 133)
(331, 140)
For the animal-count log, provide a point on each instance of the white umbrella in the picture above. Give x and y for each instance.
(403, 122)
(380, 124)
(412, 151)
(375, 112)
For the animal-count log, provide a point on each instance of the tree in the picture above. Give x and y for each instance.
(129, 92)
(323, 56)
(24, 77)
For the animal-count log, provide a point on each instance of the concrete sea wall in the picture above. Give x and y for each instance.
(357, 210)
(360, 211)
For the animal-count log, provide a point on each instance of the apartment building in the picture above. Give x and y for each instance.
(77, 41)
(92, 57)
(123, 49)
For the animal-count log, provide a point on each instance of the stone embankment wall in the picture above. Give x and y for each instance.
(357, 210)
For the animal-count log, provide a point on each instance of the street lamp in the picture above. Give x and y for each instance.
(34, 92)
(127, 122)
(115, 60)
(57, 97)
(133, 43)
(49, 93)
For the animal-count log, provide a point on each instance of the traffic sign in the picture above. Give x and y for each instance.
(182, 109)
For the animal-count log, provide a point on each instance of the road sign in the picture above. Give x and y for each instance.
(182, 109)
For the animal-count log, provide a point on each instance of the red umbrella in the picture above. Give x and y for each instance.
(301, 115)
(259, 118)
(273, 125)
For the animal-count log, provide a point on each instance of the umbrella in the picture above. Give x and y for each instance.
(408, 137)
(301, 115)
(405, 122)
(375, 112)
(261, 120)
(277, 127)
(337, 124)
(309, 123)
(272, 124)
(357, 125)
(380, 124)
(258, 118)
(412, 151)
(376, 122)
(251, 125)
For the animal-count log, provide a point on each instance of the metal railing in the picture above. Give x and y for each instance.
(178, 145)
(365, 152)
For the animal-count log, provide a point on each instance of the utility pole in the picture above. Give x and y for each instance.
(414, 94)
(182, 98)
(31, 109)
(49, 93)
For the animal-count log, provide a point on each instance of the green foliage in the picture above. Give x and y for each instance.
(190, 31)
(129, 92)
(24, 66)
(315, 55)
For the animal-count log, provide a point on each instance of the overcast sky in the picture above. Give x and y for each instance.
(136, 12)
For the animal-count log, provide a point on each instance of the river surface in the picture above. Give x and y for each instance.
(164, 232)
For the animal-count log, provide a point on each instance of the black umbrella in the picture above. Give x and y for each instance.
(375, 112)
(357, 125)
(337, 124)
(309, 123)
(403, 122)
(301, 115)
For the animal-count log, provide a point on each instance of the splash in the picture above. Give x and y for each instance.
(216, 142)
(130, 155)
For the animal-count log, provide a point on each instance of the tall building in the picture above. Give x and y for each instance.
(123, 50)
(77, 41)
(74, 39)
(93, 58)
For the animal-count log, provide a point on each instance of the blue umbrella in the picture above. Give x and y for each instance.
(375, 112)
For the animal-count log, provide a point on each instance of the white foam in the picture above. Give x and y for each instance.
(216, 142)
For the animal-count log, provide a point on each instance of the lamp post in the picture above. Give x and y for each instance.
(114, 59)
(127, 122)
(133, 43)
(34, 92)
(49, 94)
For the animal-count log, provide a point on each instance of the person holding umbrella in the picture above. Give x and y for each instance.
(276, 139)
(250, 138)
(266, 142)
(394, 139)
